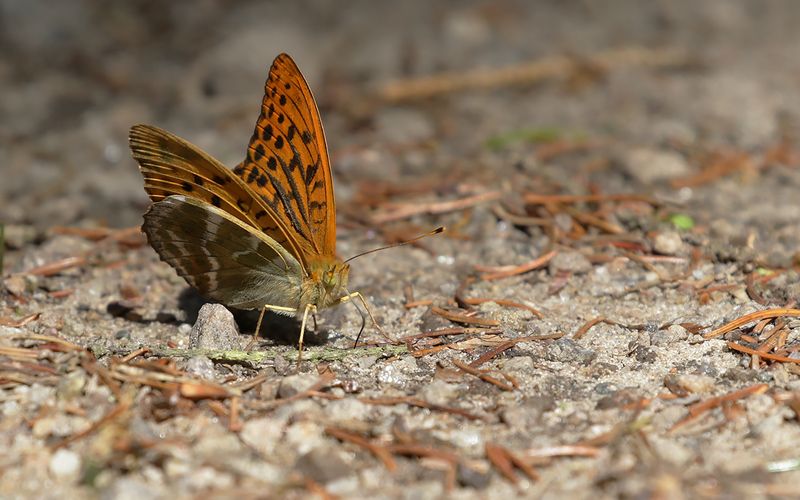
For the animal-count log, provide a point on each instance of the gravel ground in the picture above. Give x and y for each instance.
(593, 371)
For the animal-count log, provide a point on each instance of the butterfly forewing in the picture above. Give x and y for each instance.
(172, 166)
(287, 161)
(220, 255)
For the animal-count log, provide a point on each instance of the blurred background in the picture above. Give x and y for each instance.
(74, 76)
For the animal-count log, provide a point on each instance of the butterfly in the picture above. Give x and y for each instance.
(260, 236)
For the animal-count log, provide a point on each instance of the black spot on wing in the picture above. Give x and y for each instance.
(266, 134)
(317, 205)
(253, 175)
(311, 171)
(259, 153)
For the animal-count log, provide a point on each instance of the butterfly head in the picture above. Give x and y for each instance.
(328, 279)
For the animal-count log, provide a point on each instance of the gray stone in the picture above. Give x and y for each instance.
(65, 465)
(132, 488)
(670, 335)
(214, 329)
(20, 284)
(669, 243)
(295, 384)
(568, 351)
(323, 464)
(202, 367)
(17, 236)
(573, 262)
(649, 165)
(474, 475)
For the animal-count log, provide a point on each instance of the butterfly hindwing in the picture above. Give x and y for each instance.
(287, 160)
(220, 255)
(172, 166)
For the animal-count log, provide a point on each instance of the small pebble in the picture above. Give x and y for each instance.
(202, 367)
(65, 465)
(573, 262)
(17, 236)
(650, 165)
(215, 328)
(323, 464)
(295, 384)
(567, 350)
(668, 243)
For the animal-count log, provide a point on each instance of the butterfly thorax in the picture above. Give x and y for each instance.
(326, 282)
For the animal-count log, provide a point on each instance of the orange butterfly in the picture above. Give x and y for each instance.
(262, 236)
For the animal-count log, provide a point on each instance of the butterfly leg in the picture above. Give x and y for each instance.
(360, 297)
(261, 317)
(310, 308)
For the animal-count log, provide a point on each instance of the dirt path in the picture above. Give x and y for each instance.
(618, 181)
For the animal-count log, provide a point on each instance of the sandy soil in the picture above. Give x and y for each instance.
(594, 372)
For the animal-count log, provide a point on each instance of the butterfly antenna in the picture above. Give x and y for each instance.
(438, 230)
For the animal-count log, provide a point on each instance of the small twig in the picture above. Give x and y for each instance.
(509, 344)
(19, 323)
(423, 451)
(463, 318)
(380, 452)
(66, 344)
(520, 269)
(503, 302)
(498, 456)
(419, 403)
(418, 303)
(747, 318)
(134, 354)
(561, 451)
(760, 354)
(108, 417)
(647, 265)
(752, 292)
(56, 267)
(406, 210)
(519, 220)
(547, 199)
(481, 375)
(528, 73)
(505, 461)
(589, 324)
(203, 389)
(591, 220)
(700, 408)
(234, 423)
